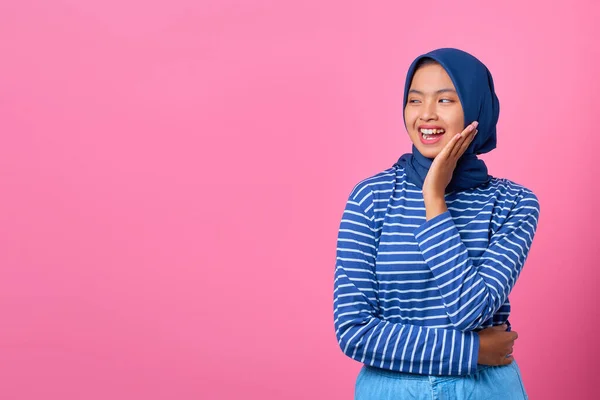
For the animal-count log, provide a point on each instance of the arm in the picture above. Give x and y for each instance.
(473, 293)
(361, 334)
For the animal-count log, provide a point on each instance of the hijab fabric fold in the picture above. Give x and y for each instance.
(475, 88)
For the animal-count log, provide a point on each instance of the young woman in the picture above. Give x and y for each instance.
(429, 250)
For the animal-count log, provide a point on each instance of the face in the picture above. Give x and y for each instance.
(434, 109)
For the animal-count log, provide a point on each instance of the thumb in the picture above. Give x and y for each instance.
(501, 327)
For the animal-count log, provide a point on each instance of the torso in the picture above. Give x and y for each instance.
(406, 290)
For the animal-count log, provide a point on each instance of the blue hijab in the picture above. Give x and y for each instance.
(475, 88)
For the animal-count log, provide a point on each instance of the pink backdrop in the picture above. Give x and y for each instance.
(173, 175)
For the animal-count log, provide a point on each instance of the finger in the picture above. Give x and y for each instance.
(469, 129)
(507, 360)
(466, 136)
(500, 327)
(449, 148)
(454, 144)
(459, 139)
(464, 144)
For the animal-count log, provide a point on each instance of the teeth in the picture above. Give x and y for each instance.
(431, 131)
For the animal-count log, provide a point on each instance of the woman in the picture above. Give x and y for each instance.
(429, 249)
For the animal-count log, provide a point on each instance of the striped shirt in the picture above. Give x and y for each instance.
(410, 294)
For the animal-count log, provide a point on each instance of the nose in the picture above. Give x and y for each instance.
(428, 111)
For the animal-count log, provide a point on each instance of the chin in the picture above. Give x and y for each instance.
(426, 151)
(429, 153)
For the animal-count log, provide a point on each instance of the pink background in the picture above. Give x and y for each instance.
(173, 175)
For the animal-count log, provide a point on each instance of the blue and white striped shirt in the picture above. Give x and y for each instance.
(410, 294)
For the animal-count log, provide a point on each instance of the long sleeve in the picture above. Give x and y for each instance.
(365, 337)
(473, 292)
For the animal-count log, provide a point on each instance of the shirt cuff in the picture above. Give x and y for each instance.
(475, 353)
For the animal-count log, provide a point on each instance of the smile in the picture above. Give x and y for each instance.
(431, 136)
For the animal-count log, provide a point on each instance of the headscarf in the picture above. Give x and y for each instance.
(475, 88)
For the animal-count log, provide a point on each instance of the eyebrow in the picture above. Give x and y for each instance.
(437, 92)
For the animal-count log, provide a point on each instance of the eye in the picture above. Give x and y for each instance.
(413, 101)
(447, 101)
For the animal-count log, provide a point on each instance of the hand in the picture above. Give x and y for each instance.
(440, 173)
(495, 344)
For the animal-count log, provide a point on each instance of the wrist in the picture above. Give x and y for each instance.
(434, 206)
(432, 192)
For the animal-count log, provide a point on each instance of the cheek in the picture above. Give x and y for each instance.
(455, 121)
(459, 120)
(409, 117)
(448, 138)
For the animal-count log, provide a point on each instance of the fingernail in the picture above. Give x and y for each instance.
(475, 124)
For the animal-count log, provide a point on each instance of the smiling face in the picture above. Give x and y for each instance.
(433, 112)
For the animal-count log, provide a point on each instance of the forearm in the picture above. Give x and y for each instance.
(401, 347)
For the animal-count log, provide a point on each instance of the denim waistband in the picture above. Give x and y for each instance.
(423, 377)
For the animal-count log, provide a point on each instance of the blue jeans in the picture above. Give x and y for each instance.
(488, 383)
